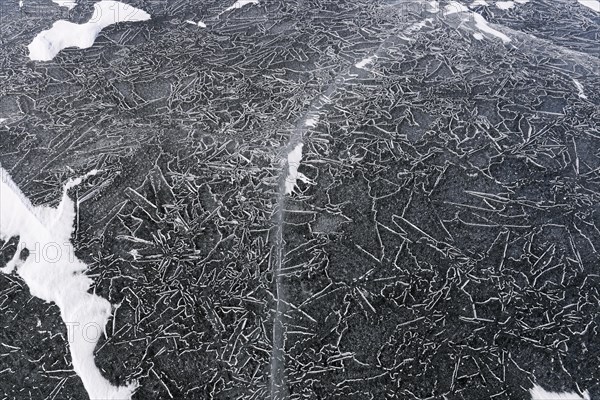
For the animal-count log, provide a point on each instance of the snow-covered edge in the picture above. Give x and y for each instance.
(47, 44)
(53, 273)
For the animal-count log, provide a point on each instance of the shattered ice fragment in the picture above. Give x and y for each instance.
(537, 393)
(54, 274)
(47, 44)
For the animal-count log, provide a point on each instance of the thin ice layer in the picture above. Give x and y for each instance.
(54, 274)
(47, 44)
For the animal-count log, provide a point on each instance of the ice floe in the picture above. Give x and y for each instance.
(47, 44)
(538, 393)
(54, 274)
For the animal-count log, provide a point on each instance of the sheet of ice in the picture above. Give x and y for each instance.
(240, 4)
(53, 273)
(66, 3)
(579, 87)
(482, 24)
(537, 393)
(47, 44)
(199, 23)
(293, 160)
(505, 5)
(593, 4)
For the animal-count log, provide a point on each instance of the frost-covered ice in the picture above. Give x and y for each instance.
(538, 393)
(47, 44)
(593, 4)
(53, 273)
(70, 4)
(199, 23)
(505, 5)
(579, 87)
(241, 3)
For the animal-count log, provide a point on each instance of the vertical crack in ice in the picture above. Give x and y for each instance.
(288, 182)
(54, 274)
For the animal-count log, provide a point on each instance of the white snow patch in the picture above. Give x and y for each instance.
(479, 3)
(240, 3)
(199, 23)
(20, 3)
(66, 3)
(593, 4)
(537, 393)
(434, 7)
(482, 24)
(454, 7)
(522, 1)
(478, 36)
(312, 121)
(293, 161)
(47, 44)
(580, 88)
(54, 274)
(363, 63)
(505, 5)
(2, 120)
